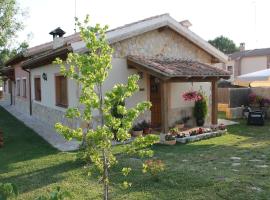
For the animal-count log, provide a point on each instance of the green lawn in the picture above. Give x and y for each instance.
(201, 170)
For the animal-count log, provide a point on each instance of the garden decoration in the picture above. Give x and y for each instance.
(137, 130)
(169, 139)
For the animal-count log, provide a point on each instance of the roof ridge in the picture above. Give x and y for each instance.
(139, 21)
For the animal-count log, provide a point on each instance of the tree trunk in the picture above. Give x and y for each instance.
(105, 159)
(105, 178)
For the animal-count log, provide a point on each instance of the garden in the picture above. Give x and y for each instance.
(235, 166)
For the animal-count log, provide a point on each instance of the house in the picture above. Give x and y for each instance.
(167, 55)
(248, 61)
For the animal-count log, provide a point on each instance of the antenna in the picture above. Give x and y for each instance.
(75, 16)
(255, 22)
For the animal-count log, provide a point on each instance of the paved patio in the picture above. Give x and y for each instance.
(46, 132)
(227, 122)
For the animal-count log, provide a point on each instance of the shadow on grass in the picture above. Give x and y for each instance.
(198, 171)
(20, 142)
(42, 177)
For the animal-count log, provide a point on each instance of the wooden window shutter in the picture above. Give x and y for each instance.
(37, 89)
(24, 88)
(61, 91)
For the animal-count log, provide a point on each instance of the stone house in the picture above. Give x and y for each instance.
(169, 58)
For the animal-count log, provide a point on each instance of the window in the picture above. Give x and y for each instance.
(18, 86)
(24, 87)
(61, 91)
(229, 68)
(37, 89)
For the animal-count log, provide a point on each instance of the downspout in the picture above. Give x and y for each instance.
(30, 91)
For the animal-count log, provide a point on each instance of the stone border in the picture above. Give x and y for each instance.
(201, 136)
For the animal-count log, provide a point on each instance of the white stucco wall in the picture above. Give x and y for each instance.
(179, 108)
(252, 64)
(48, 87)
(119, 74)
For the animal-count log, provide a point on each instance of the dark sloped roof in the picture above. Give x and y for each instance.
(250, 53)
(171, 68)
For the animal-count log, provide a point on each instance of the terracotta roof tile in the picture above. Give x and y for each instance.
(170, 67)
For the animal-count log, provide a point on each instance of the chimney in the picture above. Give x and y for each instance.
(58, 40)
(242, 46)
(186, 23)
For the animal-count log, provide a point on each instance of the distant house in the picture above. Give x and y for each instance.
(247, 61)
(169, 58)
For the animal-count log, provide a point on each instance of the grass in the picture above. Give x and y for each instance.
(201, 170)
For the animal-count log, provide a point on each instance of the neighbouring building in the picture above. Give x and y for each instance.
(248, 61)
(167, 55)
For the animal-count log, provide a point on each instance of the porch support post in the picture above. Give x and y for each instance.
(214, 102)
(164, 105)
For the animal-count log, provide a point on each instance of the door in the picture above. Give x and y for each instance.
(155, 98)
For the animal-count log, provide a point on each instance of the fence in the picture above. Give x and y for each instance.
(233, 97)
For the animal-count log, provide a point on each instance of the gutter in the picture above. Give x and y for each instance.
(30, 90)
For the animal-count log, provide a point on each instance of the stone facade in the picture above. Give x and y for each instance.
(164, 42)
(47, 115)
(22, 105)
(6, 99)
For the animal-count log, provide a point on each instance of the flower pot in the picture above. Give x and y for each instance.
(137, 133)
(200, 122)
(147, 131)
(170, 142)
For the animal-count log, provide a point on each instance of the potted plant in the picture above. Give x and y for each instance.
(146, 127)
(173, 131)
(169, 139)
(200, 110)
(222, 127)
(137, 130)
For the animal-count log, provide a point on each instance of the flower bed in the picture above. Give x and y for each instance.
(192, 135)
(203, 136)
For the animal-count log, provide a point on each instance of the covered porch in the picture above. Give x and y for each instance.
(166, 77)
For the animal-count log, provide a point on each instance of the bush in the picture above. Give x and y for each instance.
(7, 190)
(154, 167)
(200, 108)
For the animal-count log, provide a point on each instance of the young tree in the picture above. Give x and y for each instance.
(90, 70)
(10, 25)
(224, 44)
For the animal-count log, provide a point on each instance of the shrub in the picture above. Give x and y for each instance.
(200, 108)
(7, 190)
(153, 167)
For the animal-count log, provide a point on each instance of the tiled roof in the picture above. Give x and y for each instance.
(250, 53)
(171, 68)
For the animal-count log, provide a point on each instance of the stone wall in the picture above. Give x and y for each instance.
(164, 42)
(6, 99)
(22, 105)
(47, 115)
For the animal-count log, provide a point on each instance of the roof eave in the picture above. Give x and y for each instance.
(45, 59)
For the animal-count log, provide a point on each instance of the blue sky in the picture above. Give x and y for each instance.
(235, 19)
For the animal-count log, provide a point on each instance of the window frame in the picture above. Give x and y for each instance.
(35, 89)
(24, 87)
(18, 87)
(59, 99)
